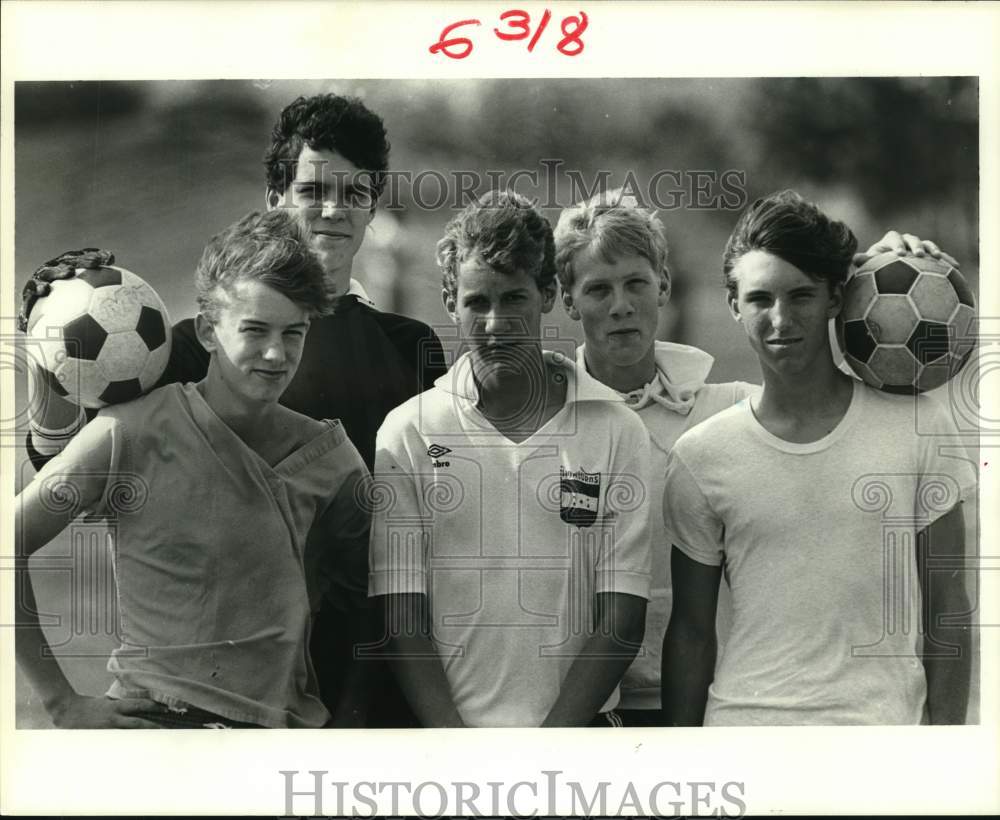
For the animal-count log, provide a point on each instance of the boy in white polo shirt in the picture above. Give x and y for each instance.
(510, 543)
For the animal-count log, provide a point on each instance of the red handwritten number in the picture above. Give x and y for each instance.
(449, 47)
(519, 27)
(523, 22)
(573, 27)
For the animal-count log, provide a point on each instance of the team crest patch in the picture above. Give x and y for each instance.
(579, 492)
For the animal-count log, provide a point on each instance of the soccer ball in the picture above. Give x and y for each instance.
(908, 323)
(100, 338)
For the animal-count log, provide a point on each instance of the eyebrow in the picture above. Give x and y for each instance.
(260, 323)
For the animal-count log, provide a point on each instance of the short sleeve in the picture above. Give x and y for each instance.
(80, 473)
(690, 522)
(624, 563)
(947, 475)
(337, 546)
(397, 552)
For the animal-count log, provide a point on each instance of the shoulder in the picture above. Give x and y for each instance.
(922, 413)
(167, 396)
(619, 416)
(715, 432)
(301, 428)
(879, 404)
(426, 408)
(188, 360)
(398, 327)
(724, 394)
(183, 330)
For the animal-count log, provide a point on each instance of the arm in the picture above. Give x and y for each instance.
(351, 710)
(54, 420)
(398, 581)
(947, 654)
(414, 659)
(689, 645)
(40, 514)
(336, 568)
(620, 622)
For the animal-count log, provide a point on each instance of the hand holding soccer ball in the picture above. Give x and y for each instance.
(908, 322)
(101, 335)
(903, 244)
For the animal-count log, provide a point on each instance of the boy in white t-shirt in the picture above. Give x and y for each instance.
(828, 507)
(510, 544)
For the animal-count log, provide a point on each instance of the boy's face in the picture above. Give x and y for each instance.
(498, 314)
(619, 305)
(335, 201)
(257, 339)
(785, 313)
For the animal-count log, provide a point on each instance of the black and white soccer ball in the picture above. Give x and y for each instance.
(908, 323)
(100, 338)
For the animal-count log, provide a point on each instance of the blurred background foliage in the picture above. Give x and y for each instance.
(153, 169)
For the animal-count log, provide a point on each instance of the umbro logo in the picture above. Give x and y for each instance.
(435, 451)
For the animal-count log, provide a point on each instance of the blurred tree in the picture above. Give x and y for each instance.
(49, 103)
(911, 140)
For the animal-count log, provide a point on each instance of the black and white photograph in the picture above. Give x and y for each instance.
(630, 426)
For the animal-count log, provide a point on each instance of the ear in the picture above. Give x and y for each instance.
(273, 199)
(663, 293)
(734, 305)
(205, 331)
(448, 300)
(549, 296)
(567, 300)
(836, 303)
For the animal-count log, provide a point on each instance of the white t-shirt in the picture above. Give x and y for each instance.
(818, 543)
(679, 399)
(510, 541)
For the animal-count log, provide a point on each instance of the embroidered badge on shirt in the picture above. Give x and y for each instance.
(579, 492)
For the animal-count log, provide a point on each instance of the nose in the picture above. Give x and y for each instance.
(274, 352)
(330, 208)
(621, 304)
(495, 323)
(781, 315)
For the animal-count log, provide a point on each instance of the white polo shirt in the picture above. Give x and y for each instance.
(510, 541)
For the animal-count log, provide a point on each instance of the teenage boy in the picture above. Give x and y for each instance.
(215, 610)
(511, 550)
(789, 491)
(611, 259)
(326, 164)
